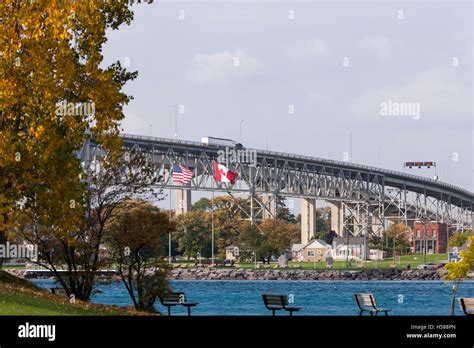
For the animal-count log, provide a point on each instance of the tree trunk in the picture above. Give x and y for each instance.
(453, 299)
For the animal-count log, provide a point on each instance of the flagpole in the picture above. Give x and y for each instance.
(169, 235)
(212, 223)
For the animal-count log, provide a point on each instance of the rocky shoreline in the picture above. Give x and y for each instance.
(288, 274)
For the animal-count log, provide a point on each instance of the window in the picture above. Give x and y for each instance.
(434, 233)
(417, 233)
(310, 253)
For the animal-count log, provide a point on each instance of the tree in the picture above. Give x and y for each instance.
(278, 237)
(193, 233)
(327, 236)
(457, 271)
(283, 213)
(136, 243)
(250, 241)
(459, 238)
(50, 57)
(203, 204)
(228, 216)
(396, 236)
(109, 185)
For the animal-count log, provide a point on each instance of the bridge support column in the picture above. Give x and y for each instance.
(337, 218)
(269, 209)
(183, 201)
(308, 219)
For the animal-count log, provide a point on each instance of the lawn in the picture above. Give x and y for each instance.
(20, 297)
(412, 260)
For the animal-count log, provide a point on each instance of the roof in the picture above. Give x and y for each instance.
(352, 240)
(315, 243)
(296, 247)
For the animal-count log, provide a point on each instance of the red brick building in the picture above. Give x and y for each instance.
(432, 236)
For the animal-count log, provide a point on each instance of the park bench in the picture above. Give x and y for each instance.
(58, 291)
(366, 303)
(467, 305)
(171, 299)
(278, 302)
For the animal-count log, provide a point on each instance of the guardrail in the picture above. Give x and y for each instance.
(348, 165)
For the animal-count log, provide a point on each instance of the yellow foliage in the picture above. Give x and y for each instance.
(459, 270)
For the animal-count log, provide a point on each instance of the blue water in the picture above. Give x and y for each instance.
(315, 297)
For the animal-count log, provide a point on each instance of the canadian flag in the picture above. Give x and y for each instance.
(223, 174)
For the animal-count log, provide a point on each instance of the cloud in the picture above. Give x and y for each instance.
(378, 45)
(222, 66)
(441, 93)
(310, 49)
(315, 98)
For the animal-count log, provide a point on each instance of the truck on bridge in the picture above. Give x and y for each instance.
(220, 142)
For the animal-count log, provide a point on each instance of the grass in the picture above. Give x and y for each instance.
(20, 297)
(412, 260)
(405, 260)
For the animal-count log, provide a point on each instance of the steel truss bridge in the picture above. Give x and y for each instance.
(363, 199)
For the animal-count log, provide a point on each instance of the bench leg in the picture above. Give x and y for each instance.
(360, 314)
(386, 313)
(273, 312)
(169, 310)
(189, 311)
(291, 313)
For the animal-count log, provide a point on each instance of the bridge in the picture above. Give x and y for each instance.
(363, 199)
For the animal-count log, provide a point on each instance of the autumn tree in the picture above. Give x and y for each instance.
(459, 238)
(279, 235)
(193, 234)
(135, 239)
(394, 240)
(250, 242)
(74, 256)
(53, 88)
(457, 271)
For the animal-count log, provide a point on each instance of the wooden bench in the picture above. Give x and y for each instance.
(58, 291)
(278, 302)
(467, 305)
(172, 299)
(366, 303)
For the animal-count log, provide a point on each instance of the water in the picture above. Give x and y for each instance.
(315, 297)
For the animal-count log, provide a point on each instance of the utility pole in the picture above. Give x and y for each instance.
(176, 121)
(350, 146)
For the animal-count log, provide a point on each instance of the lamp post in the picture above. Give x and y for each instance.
(176, 121)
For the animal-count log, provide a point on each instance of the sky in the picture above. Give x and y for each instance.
(305, 77)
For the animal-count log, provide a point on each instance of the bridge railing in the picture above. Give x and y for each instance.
(350, 165)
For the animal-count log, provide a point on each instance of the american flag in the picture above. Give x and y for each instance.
(181, 174)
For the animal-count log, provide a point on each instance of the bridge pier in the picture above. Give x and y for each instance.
(308, 219)
(183, 201)
(269, 202)
(337, 218)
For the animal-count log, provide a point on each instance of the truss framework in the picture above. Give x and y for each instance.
(367, 201)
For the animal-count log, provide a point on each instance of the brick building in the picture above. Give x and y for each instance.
(432, 236)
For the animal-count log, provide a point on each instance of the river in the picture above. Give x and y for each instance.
(236, 297)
